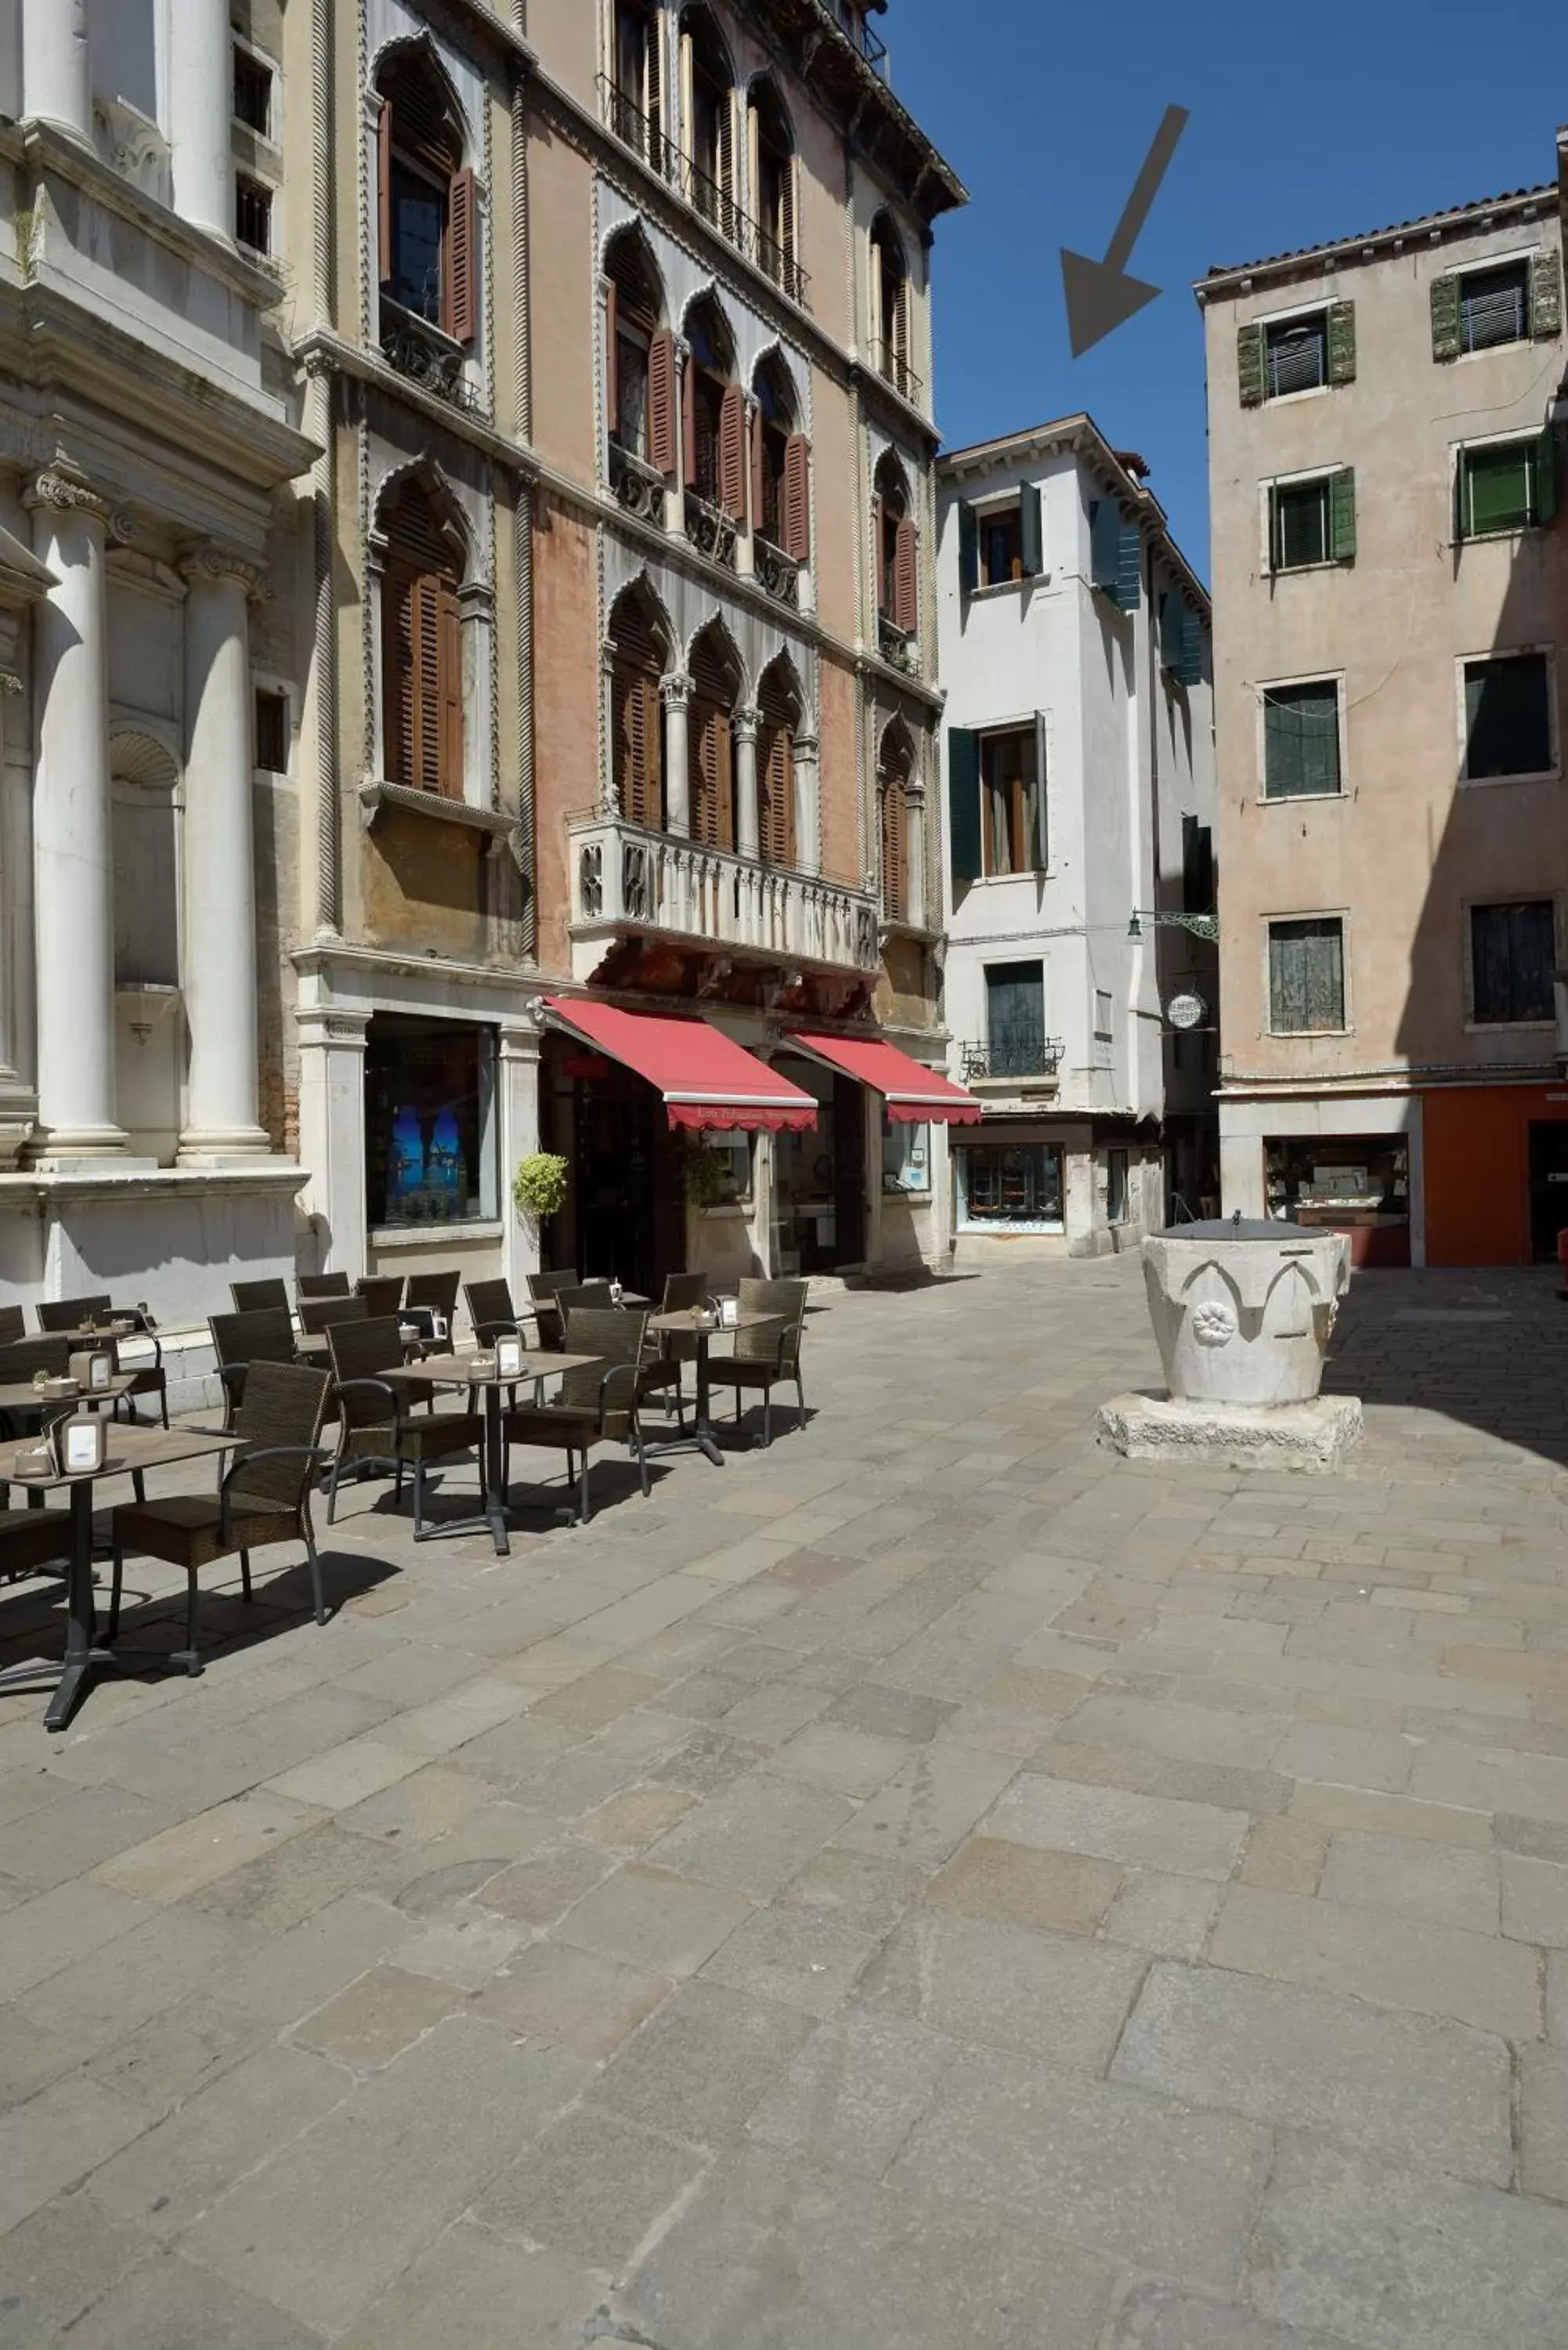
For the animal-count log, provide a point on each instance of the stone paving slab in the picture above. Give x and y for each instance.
(932, 1882)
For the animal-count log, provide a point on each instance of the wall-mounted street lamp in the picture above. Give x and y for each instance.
(1201, 926)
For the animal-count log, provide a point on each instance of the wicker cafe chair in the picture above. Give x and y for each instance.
(32, 1541)
(433, 1292)
(765, 1356)
(544, 1289)
(71, 1314)
(319, 1315)
(146, 1379)
(491, 1311)
(262, 1497)
(321, 1284)
(241, 1339)
(259, 1296)
(11, 1324)
(595, 1405)
(382, 1294)
(585, 1297)
(375, 1431)
(666, 1353)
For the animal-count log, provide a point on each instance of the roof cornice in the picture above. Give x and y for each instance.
(1379, 244)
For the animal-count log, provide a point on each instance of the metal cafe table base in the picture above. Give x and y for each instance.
(130, 1450)
(476, 1371)
(701, 1433)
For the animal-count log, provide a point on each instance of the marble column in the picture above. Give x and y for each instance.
(915, 858)
(201, 101)
(219, 961)
(73, 853)
(747, 834)
(677, 695)
(57, 74)
(18, 1101)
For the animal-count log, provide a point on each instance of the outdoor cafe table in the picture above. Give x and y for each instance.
(468, 1371)
(130, 1450)
(681, 1324)
(19, 1396)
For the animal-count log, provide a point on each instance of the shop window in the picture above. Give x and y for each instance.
(906, 1157)
(1513, 955)
(1306, 976)
(1508, 717)
(1342, 1181)
(1301, 741)
(736, 1155)
(1012, 789)
(1115, 1187)
(430, 1122)
(1004, 1187)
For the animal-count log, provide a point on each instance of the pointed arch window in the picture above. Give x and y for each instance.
(773, 167)
(893, 798)
(422, 648)
(638, 87)
(781, 458)
(428, 211)
(715, 420)
(890, 306)
(709, 92)
(897, 551)
(715, 686)
(640, 357)
(778, 710)
(636, 715)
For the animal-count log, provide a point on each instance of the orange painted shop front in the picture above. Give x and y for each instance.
(1495, 1167)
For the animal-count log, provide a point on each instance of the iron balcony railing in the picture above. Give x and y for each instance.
(427, 358)
(636, 128)
(1016, 1052)
(893, 368)
(710, 530)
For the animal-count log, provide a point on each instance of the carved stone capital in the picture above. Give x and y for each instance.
(209, 565)
(65, 491)
(745, 721)
(676, 689)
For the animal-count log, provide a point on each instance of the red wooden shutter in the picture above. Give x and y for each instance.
(612, 359)
(906, 578)
(878, 561)
(448, 778)
(732, 452)
(893, 861)
(384, 186)
(759, 479)
(797, 498)
(661, 401)
(462, 275)
(689, 424)
(775, 780)
(401, 698)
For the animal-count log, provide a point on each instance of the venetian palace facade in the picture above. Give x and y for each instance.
(464, 572)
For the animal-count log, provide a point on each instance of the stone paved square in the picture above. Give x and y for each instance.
(929, 1883)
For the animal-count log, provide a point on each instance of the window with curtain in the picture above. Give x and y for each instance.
(1016, 1018)
(1301, 741)
(1513, 953)
(636, 715)
(1011, 801)
(421, 647)
(1306, 975)
(1508, 716)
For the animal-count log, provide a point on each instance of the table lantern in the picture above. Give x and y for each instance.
(80, 1443)
(509, 1358)
(92, 1369)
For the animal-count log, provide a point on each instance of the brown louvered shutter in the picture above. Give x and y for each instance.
(712, 788)
(786, 224)
(422, 647)
(726, 111)
(893, 857)
(637, 716)
(775, 794)
(759, 475)
(661, 401)
(688, 425)
(878, 566)
(448, 778)
(797, 498)
(384, 186)
(906, 578)
(428, 736)
(462, 273)
(732, 452)
(612, 358)
(654, 86)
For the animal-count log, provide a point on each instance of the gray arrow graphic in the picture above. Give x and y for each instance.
(1101, 297)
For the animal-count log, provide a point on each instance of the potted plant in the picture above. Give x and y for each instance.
(539, 1186)
(707, 1176)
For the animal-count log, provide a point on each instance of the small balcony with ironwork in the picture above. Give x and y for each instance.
(427, 356)
(639, 486)
(628, 117)
(630, 883)
(899, 647)
(776, 573)
(710, 530)
(893, 366)
(1012, 1062)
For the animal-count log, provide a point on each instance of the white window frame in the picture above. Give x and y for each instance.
(1470, 906)
(1265, 686)
(272, 137)
(1458, 450)
(1319, 308)
(1266, 517)
(1340, 914)
(1483, 268)
(1550, 774)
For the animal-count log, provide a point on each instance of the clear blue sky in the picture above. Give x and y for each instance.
(1308, 123)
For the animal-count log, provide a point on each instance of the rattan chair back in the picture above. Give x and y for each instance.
(23, 1356)
(585, 1297)
(70, 1312)
(382, 1294)
(264, 1336)
(433, 1293)
(363, 1350)
(12, 1325)
(322, 1285)
(615, 1339)
(319, 1315)
(488, 1302)
(774, 1342)
(283, 1405)
(259, 1296)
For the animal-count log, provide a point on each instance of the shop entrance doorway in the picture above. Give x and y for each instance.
(631, 1220)
(1548, 1187)
(819, 1177)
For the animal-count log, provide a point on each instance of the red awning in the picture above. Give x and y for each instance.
(912, 1093)
(706, 1078)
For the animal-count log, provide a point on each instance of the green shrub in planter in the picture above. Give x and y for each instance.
(706, 1176)
(539, 1186)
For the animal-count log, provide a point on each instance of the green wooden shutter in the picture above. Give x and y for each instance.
(963, 803)
(1546, 296)
(1546, 478)
(1446, 339)
(1250, 365)
(1030, 534)
(1170, 630)
(1105, 543)
(968, 549)
(1341, 516)
(1192, 670)
(1129, 565)
(1342, 342)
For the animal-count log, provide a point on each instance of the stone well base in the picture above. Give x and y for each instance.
(1315, 1435)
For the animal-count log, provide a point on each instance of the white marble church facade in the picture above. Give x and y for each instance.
(146, 432)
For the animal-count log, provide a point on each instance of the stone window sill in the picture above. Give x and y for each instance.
(376, 798)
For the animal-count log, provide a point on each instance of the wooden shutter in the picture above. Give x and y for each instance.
(895, 868)
(1546, 484)
(964, 842)
(906, 577)
(462, 272)
(1445, 337)
(689, 423)
(712, 796)
(786, 225)
(968, 548)
(775, 794)
(759, 476)
(1031, 531)
(612, 357)
(661, 401)
(878, 568)
(653, 85)
(796, 519)
(384, 186)
(732, 452)
(1250, 365)
(449, 777)
(1341, 516)
(637, 746)
(1545, 296)
(1129, 565)
(1342, 342)
(726, 174)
